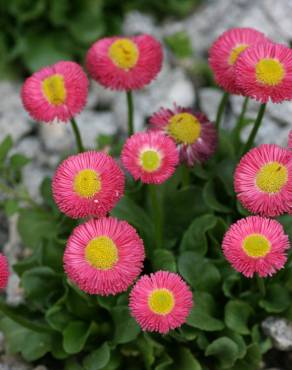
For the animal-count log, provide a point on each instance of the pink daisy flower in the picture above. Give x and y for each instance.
(55, 93)
(121, 63)
(104, 256)
(264, 71)
(88, 184)
(225, 51)
(150, 156)
(256, 245)
(263, 180)
(4, 271)
(290, 140)
(161, 301)
(194, 134)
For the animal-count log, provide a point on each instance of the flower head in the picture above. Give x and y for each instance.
(150, 156)
(290, 140)
(4, 271)
(122, 63)
(256, 245)
(263, 180)
(104, 256)
(56, 92)
(88, 184)
(161, 301)
(194, 134)
(264, 72)
(225, 51)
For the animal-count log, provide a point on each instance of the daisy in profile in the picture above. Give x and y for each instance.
(264, 72)
(161, 301)
(104, 256)
(55, 93)
(124, 63)
(225, 51)
(195, 136)
(256, 245)
(263, 180)
(150, 157)
(4, 271)
(88, 184)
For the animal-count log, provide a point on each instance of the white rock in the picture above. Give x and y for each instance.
(92, 124)
(14, 120)
(56, 137)
(209, 101)
(136, 23)
(33, 175)
(280, 330)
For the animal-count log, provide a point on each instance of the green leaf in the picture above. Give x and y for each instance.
(194, 239)
(163, 260)
(58, 317)
(17, 161)
(35, 225)
(165, 363)
(225, 350)
(251, 361)
(126, 328)
(211, 200)
(5, 146)
(237, 314)
(276, 300)
(75, 336)
(129, 211)
(30, 344)
(199, 272)
(10, 207)
(180, 44)
(40, 283)
(202, 314)
(186, 360)
(97, 359)
(182, 205)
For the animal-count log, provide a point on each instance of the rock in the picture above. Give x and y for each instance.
(99, 96)
(171, 86)
(93, 124)
(14, 294)
(13, 246)
(13, 362)
(30, 146)
(56, 137)
(40, 367)
(14, 120)
(280, 330)
(136, 23)
(33, 175)
(209, 101)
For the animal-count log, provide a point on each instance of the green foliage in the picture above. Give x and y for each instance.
(63, 325)
(38, 33)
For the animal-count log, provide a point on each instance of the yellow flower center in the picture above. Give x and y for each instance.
(102, 253)
(272, 177)
(87, 183)
(269, 71)
(235, 52)
(54, 90)
(161, 301)
(124, 53)
(150, 160)
(184, 128)
(256, 245)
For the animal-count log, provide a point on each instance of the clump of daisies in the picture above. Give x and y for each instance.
(174, 223)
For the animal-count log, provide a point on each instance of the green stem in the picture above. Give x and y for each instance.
(221, 109)
(130, 113)
(157, 214)
(185, 176)
(77, 136)
(261, 285)
(239, 123)
(255, 129)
